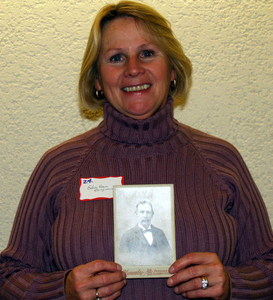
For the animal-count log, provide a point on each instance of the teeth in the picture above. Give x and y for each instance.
(136, 88)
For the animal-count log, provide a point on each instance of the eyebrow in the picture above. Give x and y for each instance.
(143, 46)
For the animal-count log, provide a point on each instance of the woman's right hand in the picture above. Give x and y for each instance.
(102, 277)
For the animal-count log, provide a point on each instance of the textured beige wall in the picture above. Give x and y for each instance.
(42, 43)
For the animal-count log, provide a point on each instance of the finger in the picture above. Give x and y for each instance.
(193, 258)
(193, 285)
(188, 274)
(114, 296)
(98, 266)
(218, 286)
(212, 293)
(95, 267)
(86, 286)
(111, 291)
(106, 279)
(82, 273)
(215, 271)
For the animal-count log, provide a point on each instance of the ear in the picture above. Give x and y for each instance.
(97, 84)
(172, 74)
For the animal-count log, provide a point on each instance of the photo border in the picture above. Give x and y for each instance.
(145, 271)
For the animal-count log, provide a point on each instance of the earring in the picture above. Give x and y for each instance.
(173, 84)
(99, 94)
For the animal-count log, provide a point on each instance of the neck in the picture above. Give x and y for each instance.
(154, 129)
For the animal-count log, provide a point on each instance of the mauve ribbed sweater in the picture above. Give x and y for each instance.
(218, 208)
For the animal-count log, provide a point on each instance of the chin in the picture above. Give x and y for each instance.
(142, 108)
(140, 114)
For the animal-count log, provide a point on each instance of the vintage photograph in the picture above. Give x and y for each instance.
(144, 229)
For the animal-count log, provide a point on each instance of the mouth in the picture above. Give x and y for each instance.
(136, 88)
(144, 221)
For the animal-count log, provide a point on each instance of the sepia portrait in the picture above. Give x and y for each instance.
(144, 229)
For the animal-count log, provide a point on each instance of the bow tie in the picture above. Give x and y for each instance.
(147, 230)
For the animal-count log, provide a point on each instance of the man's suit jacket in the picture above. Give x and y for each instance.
(136, 248)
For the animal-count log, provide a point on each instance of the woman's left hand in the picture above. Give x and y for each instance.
(189, 270)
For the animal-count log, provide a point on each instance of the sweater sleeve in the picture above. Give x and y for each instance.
(251, 271)
(27, 266)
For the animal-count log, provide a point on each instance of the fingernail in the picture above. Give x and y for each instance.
(119, 267)
(170, 281)
(171, 270)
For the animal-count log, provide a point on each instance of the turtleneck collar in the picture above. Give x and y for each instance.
(155, 129)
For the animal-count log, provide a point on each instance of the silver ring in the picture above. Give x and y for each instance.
(204, 282)
(97, 295)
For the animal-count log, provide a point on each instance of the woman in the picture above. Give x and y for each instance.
(61, 247)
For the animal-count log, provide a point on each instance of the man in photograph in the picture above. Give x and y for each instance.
(145, 244)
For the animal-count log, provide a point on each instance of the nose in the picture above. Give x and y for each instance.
(133, 67)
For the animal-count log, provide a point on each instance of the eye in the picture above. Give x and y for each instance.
(116, 58)
(147, 53)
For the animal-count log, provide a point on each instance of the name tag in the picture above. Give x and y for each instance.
(96, 188)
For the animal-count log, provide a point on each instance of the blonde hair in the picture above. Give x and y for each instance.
(155, 25)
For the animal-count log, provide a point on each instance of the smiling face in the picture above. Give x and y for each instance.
(133, 72)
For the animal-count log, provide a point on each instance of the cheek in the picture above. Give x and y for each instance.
(109, 76)
(163, 75)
